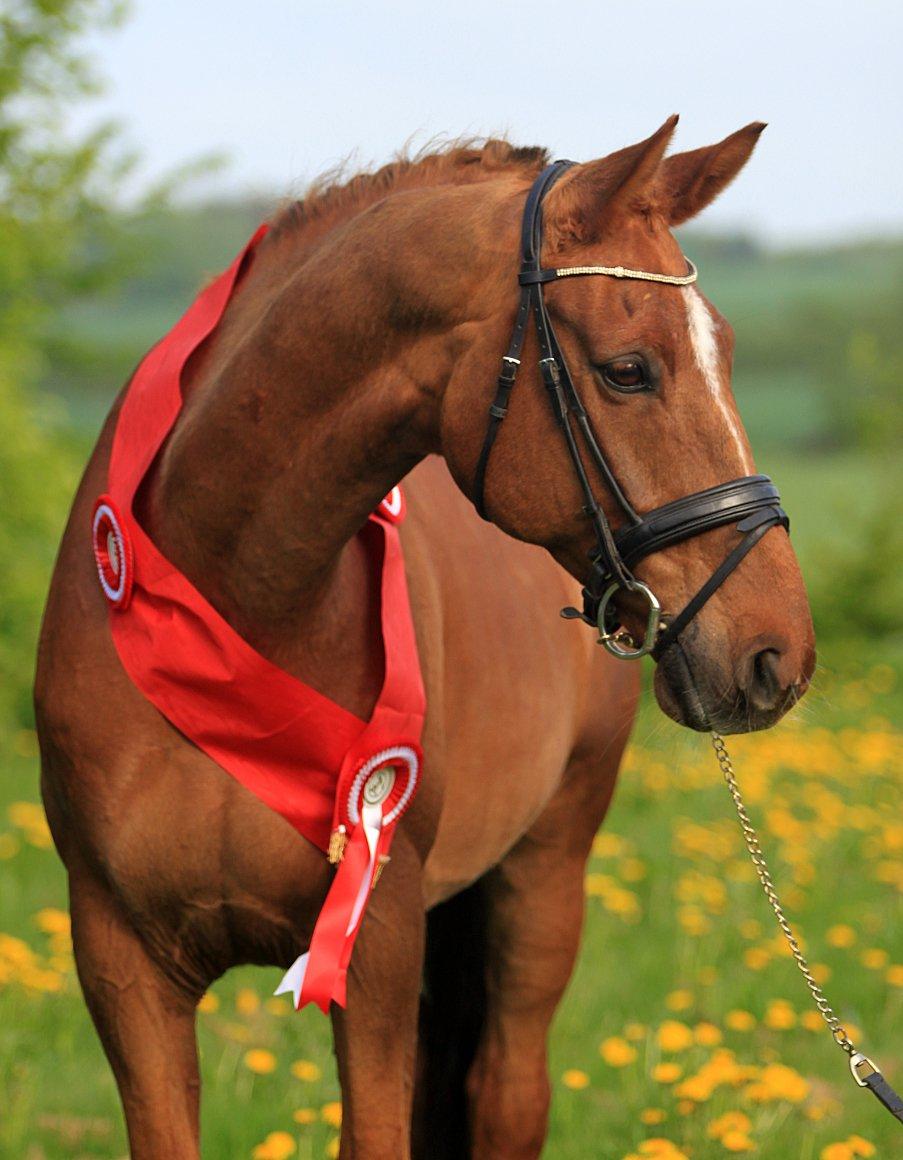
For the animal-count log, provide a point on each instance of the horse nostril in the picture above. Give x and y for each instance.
(765, 688)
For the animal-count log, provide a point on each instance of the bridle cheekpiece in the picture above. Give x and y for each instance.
(751, 503)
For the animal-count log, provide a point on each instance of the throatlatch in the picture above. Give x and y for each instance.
(751, 503)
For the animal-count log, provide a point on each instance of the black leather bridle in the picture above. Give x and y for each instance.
(751, 503)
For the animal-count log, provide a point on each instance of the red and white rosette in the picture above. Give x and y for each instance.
(112, 552)
(394, 507)
(372, 797)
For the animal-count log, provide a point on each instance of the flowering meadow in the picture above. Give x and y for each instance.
(687, 1031)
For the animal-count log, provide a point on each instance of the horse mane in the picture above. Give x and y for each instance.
(334, 195)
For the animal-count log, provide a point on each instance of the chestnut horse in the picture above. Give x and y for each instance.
(359, 349)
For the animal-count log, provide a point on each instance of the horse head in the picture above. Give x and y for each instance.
(649, 358)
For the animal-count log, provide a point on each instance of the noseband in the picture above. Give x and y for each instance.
(751, 503)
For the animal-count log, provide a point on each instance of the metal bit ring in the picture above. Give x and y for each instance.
(619, 642)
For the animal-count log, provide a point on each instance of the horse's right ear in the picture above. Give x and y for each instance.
(590, 194)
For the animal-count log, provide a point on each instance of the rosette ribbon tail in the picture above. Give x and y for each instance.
(319, 975)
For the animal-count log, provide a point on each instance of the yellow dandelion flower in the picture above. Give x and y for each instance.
(208, 1003)
(681, 1000)
(9, 847)
(697, 1088)
(812, 1021)
(304, 1070)
(635, 1031)
(693, 921)
(52, 921)
(617, 1052)
(874, 958)
(661, 1149)
(784, 1083)
(304, 1116)
(895, 975)
(332, 1114)
(50, 982)
(686, 1107)
(841, 935)
(821, 972)
(667, 1072)
(332, 1148)
(608, 845)
(277, 1006)
(674, 1036)
(738, 1020)
(707, 1034)
(735, 1141)
(780, 1015)
(653, 1115)
(247, 1002)
(860, 1146)
(260, 1061)
(16, 951)
(598, 885)
(575, 1079)
(277, 1146)
(839, 1151)
(756, 958)
(622, 902)
(729, 1122)
(29, 818)
(759, 1093)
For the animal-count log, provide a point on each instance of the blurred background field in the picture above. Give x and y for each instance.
(686, 1024)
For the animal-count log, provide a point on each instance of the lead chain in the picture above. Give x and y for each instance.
(751, 838)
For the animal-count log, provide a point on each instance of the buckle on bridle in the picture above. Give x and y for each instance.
(619, 641)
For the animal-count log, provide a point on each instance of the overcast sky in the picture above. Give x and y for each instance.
(285, 88)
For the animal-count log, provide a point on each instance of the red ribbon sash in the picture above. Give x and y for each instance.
(330, 774)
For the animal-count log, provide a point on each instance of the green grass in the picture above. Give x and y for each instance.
(671, 913)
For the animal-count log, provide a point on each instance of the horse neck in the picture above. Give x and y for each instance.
(320, 390)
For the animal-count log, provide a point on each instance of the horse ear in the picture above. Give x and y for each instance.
(575, 207)
(688, 182)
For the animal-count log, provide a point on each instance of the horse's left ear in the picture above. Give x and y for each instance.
(687, 182)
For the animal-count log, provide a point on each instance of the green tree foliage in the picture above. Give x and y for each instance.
(855, 352)
(52, 207)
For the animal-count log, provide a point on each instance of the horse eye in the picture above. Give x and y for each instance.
(627, 375)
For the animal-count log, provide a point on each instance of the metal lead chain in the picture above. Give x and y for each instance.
(864, 1071)
(751, 838)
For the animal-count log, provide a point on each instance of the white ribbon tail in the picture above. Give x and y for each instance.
(372, 821)
(293, 979)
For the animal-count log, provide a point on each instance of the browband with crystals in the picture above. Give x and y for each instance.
(531, 277)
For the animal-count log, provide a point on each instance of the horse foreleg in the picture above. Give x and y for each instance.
(535, 900)
(376, 1034)
(145, 1022)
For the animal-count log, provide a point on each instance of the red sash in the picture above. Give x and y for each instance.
(341, 781)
